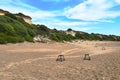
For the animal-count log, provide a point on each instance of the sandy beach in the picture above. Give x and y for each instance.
(37, 61)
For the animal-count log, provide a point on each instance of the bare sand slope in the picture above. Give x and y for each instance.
(37, 61)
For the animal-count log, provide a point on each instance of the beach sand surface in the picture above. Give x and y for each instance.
(37, 61)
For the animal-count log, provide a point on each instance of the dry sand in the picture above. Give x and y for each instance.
(37, 61)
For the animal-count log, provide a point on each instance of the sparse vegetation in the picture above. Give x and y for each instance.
(14, 29)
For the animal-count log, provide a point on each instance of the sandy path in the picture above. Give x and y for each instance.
(66, 53)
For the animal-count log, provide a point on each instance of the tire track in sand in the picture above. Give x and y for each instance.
(28, 61)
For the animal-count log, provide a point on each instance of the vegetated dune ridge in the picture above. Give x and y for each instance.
(37, 61)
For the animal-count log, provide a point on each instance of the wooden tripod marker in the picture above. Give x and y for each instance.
(87, 57)
(60, 58)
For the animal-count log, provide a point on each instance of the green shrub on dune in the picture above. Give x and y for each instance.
(14, 29)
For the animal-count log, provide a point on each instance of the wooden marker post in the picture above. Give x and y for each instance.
(87, 57)
(60, 58)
